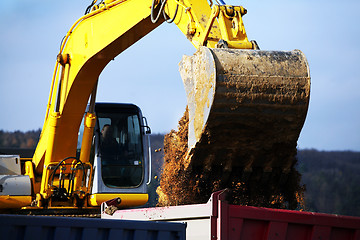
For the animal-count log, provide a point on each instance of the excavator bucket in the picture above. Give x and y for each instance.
(246, 109)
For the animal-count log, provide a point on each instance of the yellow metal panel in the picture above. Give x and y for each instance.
(193, 14)
(14, 201)
(127, 200)
(89, 124)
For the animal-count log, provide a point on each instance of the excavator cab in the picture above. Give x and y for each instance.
(118, 167)
(120, 155)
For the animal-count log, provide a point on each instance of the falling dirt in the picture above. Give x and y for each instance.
(180, 185)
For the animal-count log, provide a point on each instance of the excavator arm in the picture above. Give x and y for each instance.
(98, 37)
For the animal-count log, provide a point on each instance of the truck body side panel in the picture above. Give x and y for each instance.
(222, 221)
(255, 223)
(69, 228)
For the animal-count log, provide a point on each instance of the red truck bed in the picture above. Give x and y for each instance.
(219, 220)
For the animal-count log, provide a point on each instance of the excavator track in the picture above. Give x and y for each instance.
(246, 109)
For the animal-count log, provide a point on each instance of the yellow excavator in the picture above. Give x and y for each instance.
(239, 98)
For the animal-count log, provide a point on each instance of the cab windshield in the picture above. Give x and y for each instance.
(120, 149)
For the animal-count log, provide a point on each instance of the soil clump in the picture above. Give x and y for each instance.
(183, 182)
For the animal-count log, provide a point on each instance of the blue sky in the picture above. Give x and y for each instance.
(147, 73)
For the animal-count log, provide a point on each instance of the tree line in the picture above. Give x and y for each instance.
(331, 178)
(18, 139)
